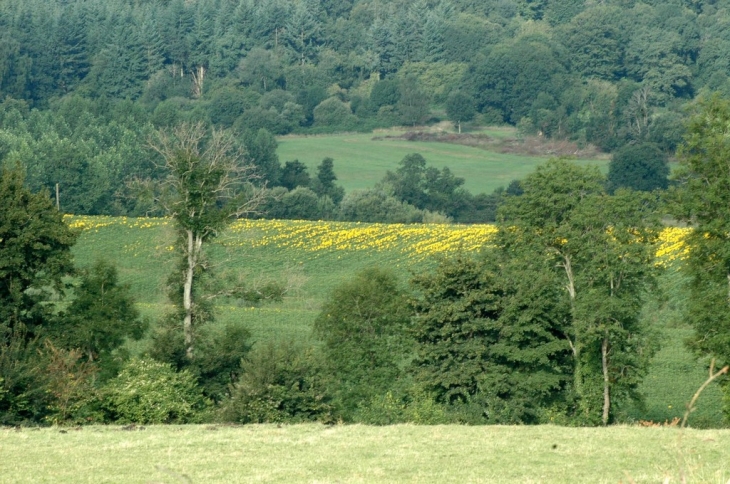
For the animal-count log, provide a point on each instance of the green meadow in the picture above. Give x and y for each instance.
(361, 161)
(363, 454)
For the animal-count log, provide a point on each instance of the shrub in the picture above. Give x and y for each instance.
(217, 356)
(332, 112)
(363, 325)
(23, 382)
(150, 392)
(377, 206)
(639, 167)
(279, 383)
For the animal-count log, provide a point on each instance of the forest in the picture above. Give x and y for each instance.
(84, 83)
(172, 108)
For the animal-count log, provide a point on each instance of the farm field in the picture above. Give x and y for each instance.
(359, 454)
(361, 161)
(313, 257)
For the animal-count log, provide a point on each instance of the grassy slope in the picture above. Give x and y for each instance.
(141, 250)
(401, 453)
(360, 162)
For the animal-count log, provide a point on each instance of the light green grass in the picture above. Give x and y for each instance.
(361, 162)
(361, 454)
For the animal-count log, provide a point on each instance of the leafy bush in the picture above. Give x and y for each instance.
(23, 383)
(377, 206)
(150, 392)
(217, 356)
(363, 325)
(639, 167)
(70, 384)
(415, 406)
(332, 112)
(279, 383)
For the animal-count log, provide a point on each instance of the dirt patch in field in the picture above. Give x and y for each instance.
(529, 146)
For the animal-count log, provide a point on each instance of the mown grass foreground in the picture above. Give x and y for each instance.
(356, 453)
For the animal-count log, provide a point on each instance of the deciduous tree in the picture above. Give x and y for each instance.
(702, 199)
(601, 247)
(207, 186)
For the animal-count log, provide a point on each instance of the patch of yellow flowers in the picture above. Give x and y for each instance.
(96, 222)
(417, 240)
(414, 239)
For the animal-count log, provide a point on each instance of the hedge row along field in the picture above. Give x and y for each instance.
(314, 257)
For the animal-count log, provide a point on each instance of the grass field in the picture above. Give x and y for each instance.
(311, 258)
(360, 161)
(360, 454)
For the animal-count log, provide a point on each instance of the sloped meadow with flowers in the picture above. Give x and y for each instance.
(311, 258)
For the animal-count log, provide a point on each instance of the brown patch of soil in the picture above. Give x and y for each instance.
(530, 146)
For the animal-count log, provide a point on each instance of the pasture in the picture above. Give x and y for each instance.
(361, 161)
(311, 258)
(362, 454)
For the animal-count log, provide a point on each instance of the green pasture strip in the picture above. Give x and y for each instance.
(362, 454)
(360, 161)
(674, 376)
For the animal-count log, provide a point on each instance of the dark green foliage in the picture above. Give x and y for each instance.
(384, 93)
(294, 174)
(298, 204)
(23, 380)
(487, 337)
(35, 254)
(101, 316)
(218, 356)
(598, 249)
(412, 102)
(149, 51)
(261, 152)
(640, 167)
(280, 382)
(375, 205)
(460, 107)
(226, 105)
(427, 188)
(324, 184)
(452, 326)
(701, 198)
(513, 75)
(363, 325)
(332, 112)
(218, 362)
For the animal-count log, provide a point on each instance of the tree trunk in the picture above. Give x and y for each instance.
(574, 345)
(195, 243)
(606, 387)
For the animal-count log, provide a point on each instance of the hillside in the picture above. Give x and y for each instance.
(314, 257)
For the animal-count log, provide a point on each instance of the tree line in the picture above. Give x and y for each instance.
(98, 152)
(543, 325)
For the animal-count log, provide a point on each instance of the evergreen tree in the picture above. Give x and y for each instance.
(324, 183)
(35, 250)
